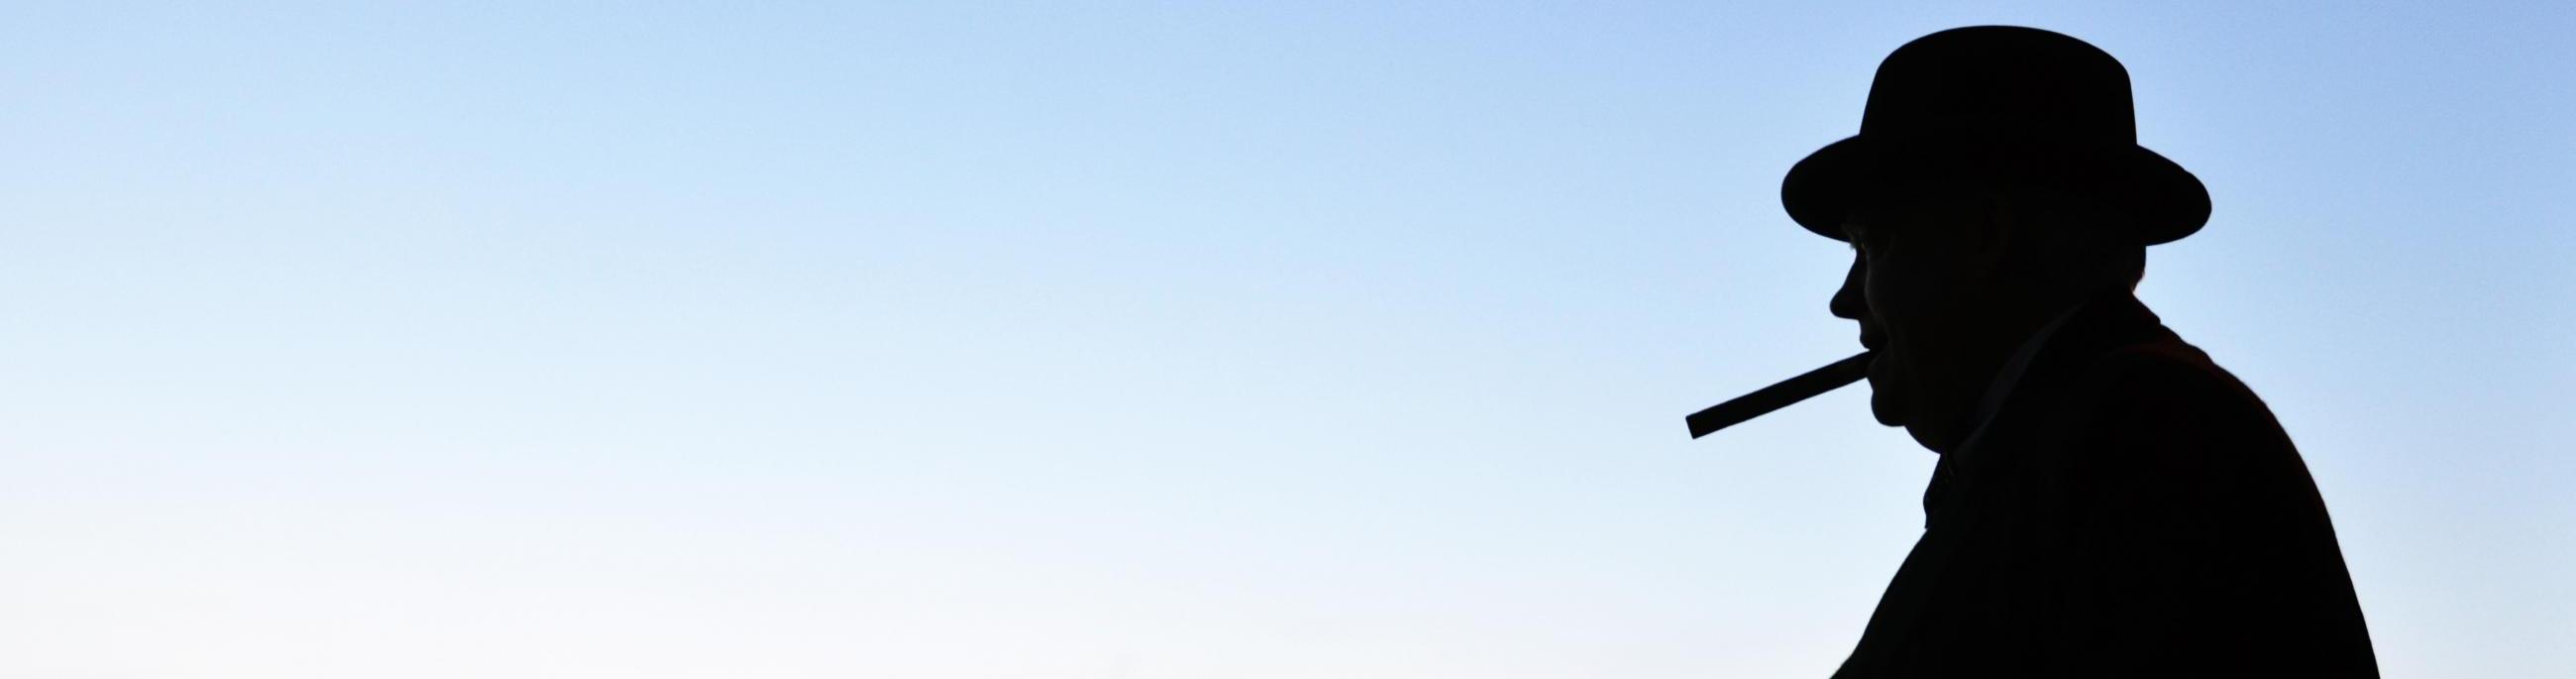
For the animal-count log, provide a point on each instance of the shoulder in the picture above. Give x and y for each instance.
(2163, 409)
(2167, 378)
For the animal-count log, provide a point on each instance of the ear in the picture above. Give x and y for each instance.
(1988, 241)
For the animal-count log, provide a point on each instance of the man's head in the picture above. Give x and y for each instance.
(1948, 278)
(1996, 181)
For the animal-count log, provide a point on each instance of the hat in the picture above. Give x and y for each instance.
(1999, 103)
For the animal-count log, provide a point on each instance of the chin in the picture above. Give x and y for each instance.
(1886, 395)
(1883, 405)
(1886, 406)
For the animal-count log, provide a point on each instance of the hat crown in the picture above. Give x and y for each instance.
(2001, 85)
(2006, 104)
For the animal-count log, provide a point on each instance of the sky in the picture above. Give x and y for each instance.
(1145, 340)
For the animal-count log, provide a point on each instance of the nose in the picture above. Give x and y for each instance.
(1848, 301)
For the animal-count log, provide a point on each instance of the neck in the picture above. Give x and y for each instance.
(1993, 336)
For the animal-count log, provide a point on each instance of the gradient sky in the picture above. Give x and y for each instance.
(1152, 340)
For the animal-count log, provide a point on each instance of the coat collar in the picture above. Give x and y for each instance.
(2053, 364)
(2001, 387)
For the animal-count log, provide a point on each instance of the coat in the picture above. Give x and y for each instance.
(2131, 510)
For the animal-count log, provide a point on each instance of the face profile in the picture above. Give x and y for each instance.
(1923, 261)
(1888, 366)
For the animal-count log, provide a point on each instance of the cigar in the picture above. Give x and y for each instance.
(1818, 381)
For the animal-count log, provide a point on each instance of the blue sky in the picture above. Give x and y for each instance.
(1156, 339)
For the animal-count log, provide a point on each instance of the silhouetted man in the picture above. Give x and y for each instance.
(2108, 503)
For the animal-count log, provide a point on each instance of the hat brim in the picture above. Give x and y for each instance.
(2170, 202)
